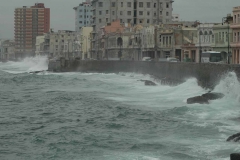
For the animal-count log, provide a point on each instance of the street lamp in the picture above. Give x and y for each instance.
(139, 45)
(224, 20)
(200, 45)
(120, 43)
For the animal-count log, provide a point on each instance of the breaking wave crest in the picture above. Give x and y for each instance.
(28, 64)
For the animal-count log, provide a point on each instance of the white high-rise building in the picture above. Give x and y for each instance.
(83, 15)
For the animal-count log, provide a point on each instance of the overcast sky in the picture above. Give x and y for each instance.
(62, 13)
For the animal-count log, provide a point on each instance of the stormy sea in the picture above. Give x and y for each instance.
(97, 116)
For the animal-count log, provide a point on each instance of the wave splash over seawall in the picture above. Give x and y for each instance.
(111, 116)
(28, 64)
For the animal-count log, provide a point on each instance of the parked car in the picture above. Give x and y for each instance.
(147, 59)
(172, 59)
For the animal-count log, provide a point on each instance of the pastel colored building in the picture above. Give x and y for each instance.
(85, 42)
(235, 44)
(140, 12)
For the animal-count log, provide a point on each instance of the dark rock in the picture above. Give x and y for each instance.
(213, 96)
(198, 99)
(148, 83)
(235, 156)
(234, 138)
(36, 72)
(204, 99)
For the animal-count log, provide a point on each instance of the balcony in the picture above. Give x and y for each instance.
(235, 44)
(236, 8)
(235, 25)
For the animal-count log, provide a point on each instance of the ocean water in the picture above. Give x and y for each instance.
(96, 116)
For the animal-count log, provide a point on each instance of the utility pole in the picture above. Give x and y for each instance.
(68, 49)
(226, 20)
(200, 45)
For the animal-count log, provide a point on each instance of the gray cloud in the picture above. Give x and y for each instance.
(62, 13)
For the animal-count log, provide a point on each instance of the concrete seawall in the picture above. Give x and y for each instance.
(207, 74)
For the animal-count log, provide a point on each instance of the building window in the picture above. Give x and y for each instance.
(129, 13)
(167, 5)
(106, 19)
(167, 14)
(155, 5)
(100, 12)
(227, 36)
(235, 37)
(148, 21)
(113, 13)
(141, 4)
(100, 4)
(238, 36)
(148, 4)
(155, 14)
(160, 38)
(160, 12)
(100, 20)
(140, 13)
(161, 5)
(121, 12)
(106, 11)
(80, 10)
(113, 4)
(129, 4)
(121, 4)
(148, 13)
(129, 20)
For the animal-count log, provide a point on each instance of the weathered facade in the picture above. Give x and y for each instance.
(8, 50)
(129, 12)
(221, 39)
(84, 39)
(63, 44)
(235, 44)
(177, 40)
(83, 15)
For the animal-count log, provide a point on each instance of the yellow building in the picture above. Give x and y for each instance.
(85, 41)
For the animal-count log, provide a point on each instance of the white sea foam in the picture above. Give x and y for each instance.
(28, 64)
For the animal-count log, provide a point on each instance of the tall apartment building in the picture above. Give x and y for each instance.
(83, 15)
(134, 12)
(30, 22)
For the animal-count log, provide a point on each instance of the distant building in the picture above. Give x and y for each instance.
(83, 15)
(85, 42)
(175, 17)
(235, 44)
(30, 22)
(133, 12)
(63, 44)
(43, 45)
(8, 50)
(222, 37)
